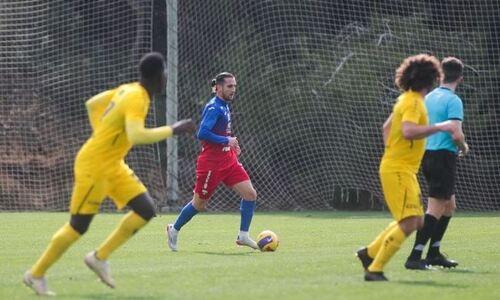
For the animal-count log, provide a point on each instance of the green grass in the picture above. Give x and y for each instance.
(314, 261)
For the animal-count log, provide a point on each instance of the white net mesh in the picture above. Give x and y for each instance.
(53, 56)
(315, 84)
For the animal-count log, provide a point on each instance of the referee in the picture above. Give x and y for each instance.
(439, 167)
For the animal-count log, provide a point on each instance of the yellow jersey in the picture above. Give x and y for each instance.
(401, 154)
(106, 149)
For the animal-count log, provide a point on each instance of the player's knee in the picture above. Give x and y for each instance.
(410, 224)
(453, 207)
(199, 204)
(80, 223)
(420, 223)
(450, 208)
(435, 207)
(143, 206)
(147, 213)
(250, 195)
(414, 223)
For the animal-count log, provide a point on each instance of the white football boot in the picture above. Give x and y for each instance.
(244, 239)
(100, 267)
(39, 285)
(172, 234)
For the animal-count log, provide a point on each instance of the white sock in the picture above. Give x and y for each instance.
(419, 247)
(243, 235)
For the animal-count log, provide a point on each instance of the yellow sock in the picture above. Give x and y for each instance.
(375, 245)
(129, 225)
(391, 244)
(60, 242)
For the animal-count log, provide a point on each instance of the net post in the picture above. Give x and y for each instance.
(171, 101)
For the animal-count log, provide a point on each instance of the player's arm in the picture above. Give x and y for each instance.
(96, 106)
(207, 124)
(386, 129)
(458, 137)
(138, 134)
(411, 130)
(455, 112)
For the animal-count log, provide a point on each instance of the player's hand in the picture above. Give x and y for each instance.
(463, 150)
(232, 142)
(183, 126)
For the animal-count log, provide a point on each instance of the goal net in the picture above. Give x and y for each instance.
(315, 83)
(54, 55)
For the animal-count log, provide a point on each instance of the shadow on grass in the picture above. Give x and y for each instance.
(465, 271)
(224, 253)
(336, 214)
(332, 214)
(432, 283)
(364, 214)
(113, 296)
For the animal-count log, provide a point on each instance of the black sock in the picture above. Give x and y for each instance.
(437, 236)
(423, 236)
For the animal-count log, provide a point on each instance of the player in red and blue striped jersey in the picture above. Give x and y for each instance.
(218, 163)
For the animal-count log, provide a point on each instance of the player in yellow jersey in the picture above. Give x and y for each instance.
(404, 135)
(117, 118)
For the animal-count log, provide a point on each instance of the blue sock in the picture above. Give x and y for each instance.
(246, 209)
(185, 216)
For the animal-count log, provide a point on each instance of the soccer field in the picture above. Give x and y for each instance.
(315, 259)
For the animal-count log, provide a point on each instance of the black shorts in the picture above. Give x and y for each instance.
(439, 168)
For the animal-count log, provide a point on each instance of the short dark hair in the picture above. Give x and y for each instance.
(418, 72)
(151, 65)
(219, 79)
(453, 69)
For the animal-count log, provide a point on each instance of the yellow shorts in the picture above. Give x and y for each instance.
(89, 190)
(402, 194)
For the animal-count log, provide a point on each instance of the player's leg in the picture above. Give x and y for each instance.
(187, 213)
(391, 244)
(432, 168)
(60, 242)
(237, 178)
(125, 189)
(446, 193)
(85, 200)
(142, 211)
(402, 195)
(434, 212)
(247, 206)
(434, 255)
(366, 254)
(206, 183)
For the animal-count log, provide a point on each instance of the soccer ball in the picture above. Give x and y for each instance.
(267, 240)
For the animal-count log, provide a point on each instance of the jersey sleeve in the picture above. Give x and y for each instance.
(208, 122)
(410, 111)
(455, 109)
